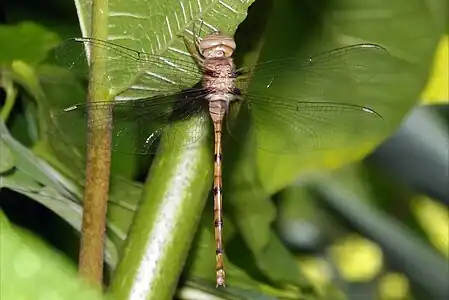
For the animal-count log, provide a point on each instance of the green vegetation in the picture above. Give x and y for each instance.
(290, 220)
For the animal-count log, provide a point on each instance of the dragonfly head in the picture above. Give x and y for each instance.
(217, 45)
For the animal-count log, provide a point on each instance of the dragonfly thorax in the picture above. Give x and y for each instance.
(219, 80)
(217, 45)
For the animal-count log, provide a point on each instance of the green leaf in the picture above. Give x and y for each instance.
(39, 181)
(31, 270)
(390, 86)
(157, 27)
(26, 41)
(28, 163)
(253, 213)
(6, 157)
(26, 76)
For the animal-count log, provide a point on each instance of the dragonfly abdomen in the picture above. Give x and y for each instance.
(219, 80)
(218, 105)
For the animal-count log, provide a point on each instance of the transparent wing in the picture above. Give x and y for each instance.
(149, 74)
(325, 101)
(287, 126)
(139, 124)
(354, 58)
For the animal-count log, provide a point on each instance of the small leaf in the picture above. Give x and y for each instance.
(25, 74)
(27, 162)
(27, 41)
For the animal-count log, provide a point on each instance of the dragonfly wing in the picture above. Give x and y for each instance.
(360, 61)
(287, 126)
(151, 74)
(335, 97)
(137, 125)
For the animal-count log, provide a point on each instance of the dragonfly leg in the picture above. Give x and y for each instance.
(194, 52)
(196, 37)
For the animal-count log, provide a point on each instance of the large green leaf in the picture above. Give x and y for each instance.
(31, 270)
(156, 28)
(391, 86)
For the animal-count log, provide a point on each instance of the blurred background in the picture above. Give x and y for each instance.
(369, 223)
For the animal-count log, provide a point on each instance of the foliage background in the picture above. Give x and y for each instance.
(373, 229)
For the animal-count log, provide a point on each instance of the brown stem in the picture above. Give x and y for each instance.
(98, 158)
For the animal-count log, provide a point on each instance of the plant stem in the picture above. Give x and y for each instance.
(163, 228)
(10, 100)
(98, 157)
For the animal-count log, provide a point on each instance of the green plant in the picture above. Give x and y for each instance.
(258, 260)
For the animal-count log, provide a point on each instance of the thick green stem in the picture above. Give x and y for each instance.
(165, 224)
(98, 157)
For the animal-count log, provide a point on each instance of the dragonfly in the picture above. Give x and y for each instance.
(151, 97)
